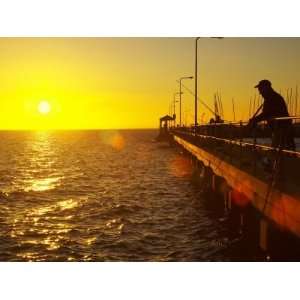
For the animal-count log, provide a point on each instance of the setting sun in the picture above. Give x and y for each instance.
(44, 107)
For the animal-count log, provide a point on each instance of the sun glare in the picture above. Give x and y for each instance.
(44, 107)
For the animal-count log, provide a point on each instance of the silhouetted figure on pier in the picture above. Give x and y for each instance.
(274, 106)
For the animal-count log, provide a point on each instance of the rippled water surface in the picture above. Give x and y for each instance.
(101, 196)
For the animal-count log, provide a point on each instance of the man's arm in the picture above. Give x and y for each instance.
(261, 117)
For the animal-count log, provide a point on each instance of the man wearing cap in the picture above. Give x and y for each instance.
(274, 106)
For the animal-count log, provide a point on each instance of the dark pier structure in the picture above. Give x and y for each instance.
(164, 126)
(256, 186)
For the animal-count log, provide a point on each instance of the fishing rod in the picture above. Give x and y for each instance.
(205, 105)
(233, 109)
(258, 111)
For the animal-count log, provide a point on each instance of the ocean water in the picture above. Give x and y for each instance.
(102, 196)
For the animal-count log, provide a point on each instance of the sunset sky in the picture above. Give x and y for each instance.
(129, 82)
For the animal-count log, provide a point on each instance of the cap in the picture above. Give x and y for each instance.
(264, 83)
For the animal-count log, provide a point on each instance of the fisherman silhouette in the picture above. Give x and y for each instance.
(274, 106)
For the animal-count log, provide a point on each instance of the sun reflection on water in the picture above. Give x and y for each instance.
(68, 204)
(60, 205)
(42, 227)
(115, 226)
(43, 184)
(29, 256)
(90, 241)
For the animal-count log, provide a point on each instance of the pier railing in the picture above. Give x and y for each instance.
(241, 134)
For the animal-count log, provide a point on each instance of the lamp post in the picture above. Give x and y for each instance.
(174, 109)
(180, 93)
(196, 78)
(196, 82)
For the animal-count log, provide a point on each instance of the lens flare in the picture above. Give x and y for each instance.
(181, 167)
(239, 198)
(114, 139)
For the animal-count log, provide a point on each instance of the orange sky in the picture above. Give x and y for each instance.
(129, 82)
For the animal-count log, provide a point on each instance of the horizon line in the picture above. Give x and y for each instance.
(73, 129)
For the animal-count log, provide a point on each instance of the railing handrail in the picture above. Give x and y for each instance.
(242, 122)
(241, 143)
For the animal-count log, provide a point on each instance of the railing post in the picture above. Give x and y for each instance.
(241, 139)
(254, 150)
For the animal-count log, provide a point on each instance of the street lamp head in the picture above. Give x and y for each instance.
(212, 37)
(186, 77)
